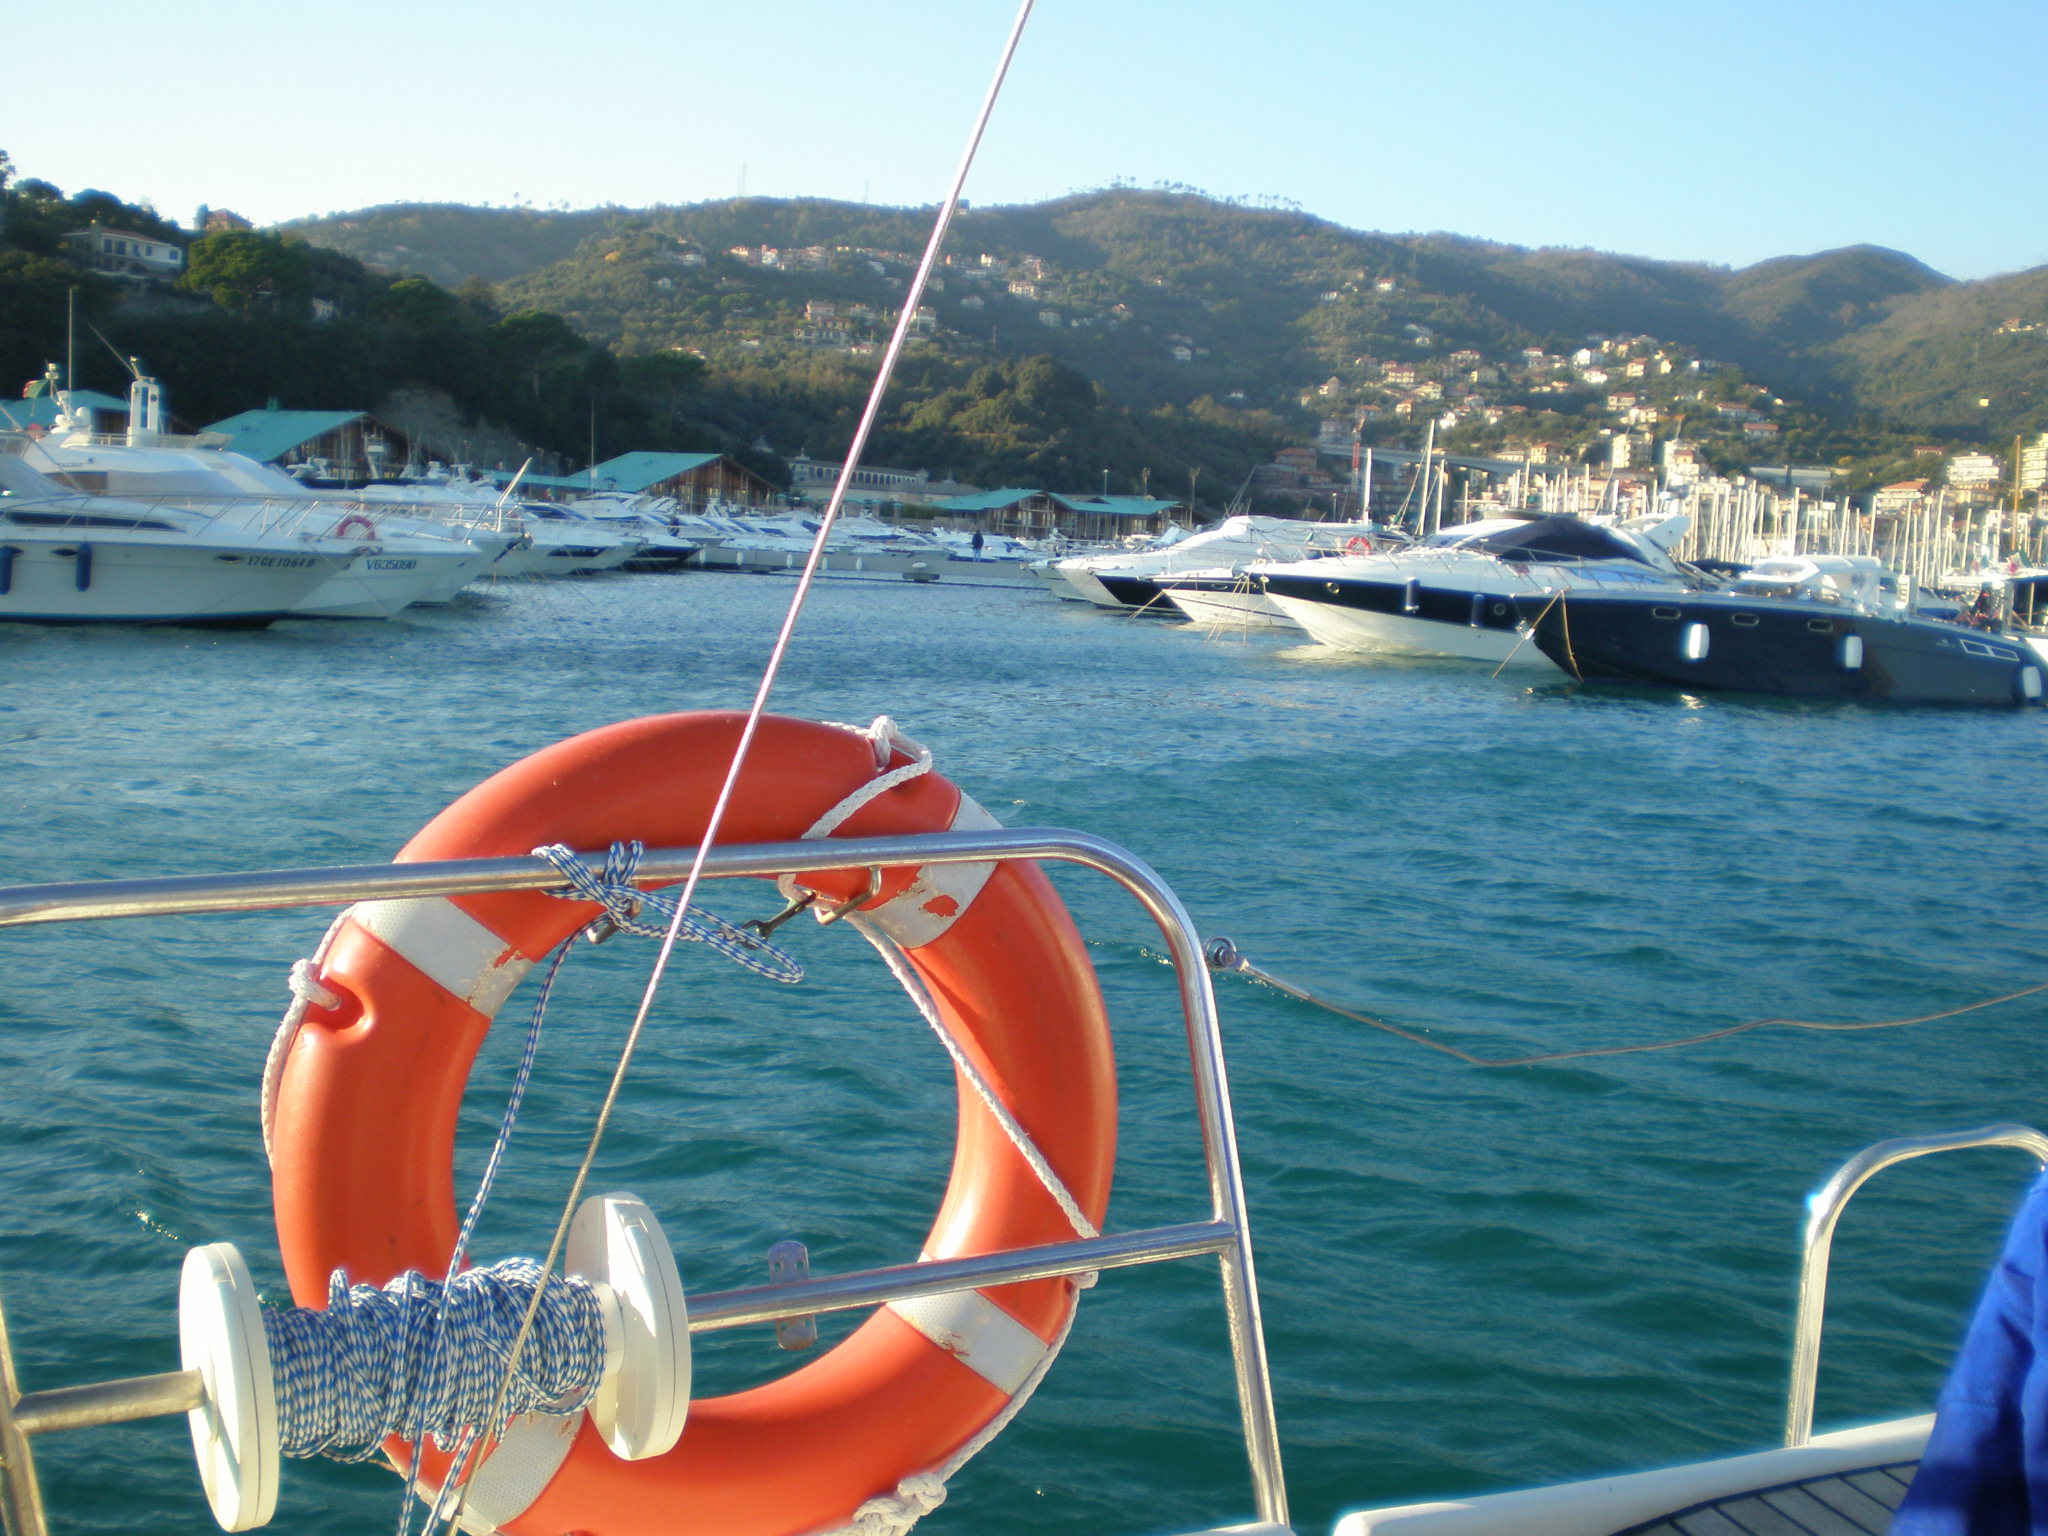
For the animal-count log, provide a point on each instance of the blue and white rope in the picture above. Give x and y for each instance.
(420, 1358)
(623, 903)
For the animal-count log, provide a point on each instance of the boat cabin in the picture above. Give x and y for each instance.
(1856, 580)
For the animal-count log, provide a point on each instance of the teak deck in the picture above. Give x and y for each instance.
(1846, 1504)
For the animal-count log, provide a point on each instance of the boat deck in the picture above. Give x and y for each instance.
(1847, 1504)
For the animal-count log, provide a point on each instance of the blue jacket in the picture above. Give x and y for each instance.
(1985, 1472)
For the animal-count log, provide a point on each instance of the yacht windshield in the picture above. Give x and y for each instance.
(1558, 538)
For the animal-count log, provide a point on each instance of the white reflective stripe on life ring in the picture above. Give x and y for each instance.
(448, 946)
(519, 1468)
(977, 1333)
(927, 907)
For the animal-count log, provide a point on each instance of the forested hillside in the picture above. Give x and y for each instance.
(1267, 303)
(1166, 338)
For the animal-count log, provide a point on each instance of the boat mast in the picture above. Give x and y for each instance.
(1427, 478)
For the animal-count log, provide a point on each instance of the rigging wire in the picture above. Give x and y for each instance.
(869, 415)
(1223, 955)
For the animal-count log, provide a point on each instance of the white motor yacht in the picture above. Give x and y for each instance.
(1228, 597)
(1454, 593)
(398, 560)
(67, 558)
(564, 542)
(1132, 580)
(661, 547)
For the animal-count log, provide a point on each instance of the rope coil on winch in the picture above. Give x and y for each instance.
(417, 1357)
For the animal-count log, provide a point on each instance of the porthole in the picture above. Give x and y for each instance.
(1664, 613)
(1744, 620)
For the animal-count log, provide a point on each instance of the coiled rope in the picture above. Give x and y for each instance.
(1223, 955)
(417, 1357)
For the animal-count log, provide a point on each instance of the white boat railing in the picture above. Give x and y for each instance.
(1824, 1211)
(1225, 1233)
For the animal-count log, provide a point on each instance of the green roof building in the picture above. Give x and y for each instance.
(348, 447)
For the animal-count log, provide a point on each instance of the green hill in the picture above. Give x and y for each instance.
(1267, 304)
(1166, 337)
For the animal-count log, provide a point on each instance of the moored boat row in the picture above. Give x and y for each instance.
(1608, 601)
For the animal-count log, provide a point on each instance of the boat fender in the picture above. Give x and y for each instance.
(1852, 653)
(1478, 616)
(370, 1091)
(2027, 684)
(1693, 641)
(7, 554)
(1411, 595)
(81, 576)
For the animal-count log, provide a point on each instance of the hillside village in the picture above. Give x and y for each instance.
(1227, 353)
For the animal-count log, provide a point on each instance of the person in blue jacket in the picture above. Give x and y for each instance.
(1985, 1470)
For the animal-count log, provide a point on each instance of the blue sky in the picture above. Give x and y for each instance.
(1722, 133)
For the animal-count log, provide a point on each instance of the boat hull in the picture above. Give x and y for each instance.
(381, 583)
(1724, 644)
(1237, 604)
(1140, 594)
(1374, 616)
(155, 582)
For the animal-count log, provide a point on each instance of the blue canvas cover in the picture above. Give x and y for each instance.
(1985, 1472)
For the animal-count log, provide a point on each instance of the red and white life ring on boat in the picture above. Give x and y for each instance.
(1358, 544)
(355, 523)
(365, 1118)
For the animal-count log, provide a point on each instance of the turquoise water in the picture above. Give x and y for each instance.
(1473, 1278)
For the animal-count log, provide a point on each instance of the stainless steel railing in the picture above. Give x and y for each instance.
(1824, 1210)
(1225, 1234)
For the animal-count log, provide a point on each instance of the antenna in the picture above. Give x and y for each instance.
(132, 364)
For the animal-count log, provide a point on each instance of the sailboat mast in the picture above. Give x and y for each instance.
(1428, 477)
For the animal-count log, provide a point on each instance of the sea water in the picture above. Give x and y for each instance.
(1473, 1278)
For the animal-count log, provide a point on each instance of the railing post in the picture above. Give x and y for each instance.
(1824, 1211)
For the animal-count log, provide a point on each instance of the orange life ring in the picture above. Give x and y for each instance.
(1358, 544)
(366, 1112)
(365, 529)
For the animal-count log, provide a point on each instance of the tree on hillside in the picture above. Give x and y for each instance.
(479, 299)
(33, 296)
(418, 303)
(238, 268)
(533, 338)
(93, 206)
(663, 376)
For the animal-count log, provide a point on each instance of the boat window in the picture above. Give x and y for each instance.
(1821, 626)
(1746, 620)
(1664, 613)
(84, 520)
(1979, 648)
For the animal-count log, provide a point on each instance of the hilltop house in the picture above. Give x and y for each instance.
(1899, 496)
(123, 253)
